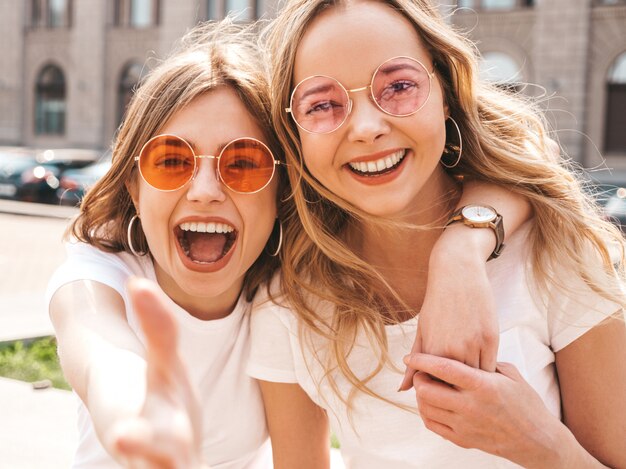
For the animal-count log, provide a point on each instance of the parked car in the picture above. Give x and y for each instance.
(75, 182)
(34, 175)
(609, 189)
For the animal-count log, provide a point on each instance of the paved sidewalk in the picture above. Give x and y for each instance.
(31, 249)
(38, 427)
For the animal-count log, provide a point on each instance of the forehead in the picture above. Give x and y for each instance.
(353, 40)
(214, 118)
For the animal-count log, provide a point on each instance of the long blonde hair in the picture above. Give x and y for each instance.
(209, 56)
(505, 141)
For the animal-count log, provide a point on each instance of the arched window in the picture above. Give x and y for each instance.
(50, 101)
(501, 69)
(129, 79)
(615, 126)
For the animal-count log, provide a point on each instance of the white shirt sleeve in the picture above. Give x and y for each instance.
(86, 262)
(271, 342)
(576, 309)
(578, 312)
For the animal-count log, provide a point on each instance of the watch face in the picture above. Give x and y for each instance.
(479, 213)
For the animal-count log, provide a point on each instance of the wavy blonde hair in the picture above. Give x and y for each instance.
(209, 56)
(505, 141)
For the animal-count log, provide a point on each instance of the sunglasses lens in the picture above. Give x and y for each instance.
(167, 162)
(246, 165)
(319, 104)
(401, 86)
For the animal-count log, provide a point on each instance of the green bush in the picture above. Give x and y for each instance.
(30, 361)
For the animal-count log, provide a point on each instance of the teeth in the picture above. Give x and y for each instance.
(210, 227)
(379, 165)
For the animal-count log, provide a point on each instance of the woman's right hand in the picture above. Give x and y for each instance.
(167, 432)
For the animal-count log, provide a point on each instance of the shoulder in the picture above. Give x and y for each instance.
(86, 262)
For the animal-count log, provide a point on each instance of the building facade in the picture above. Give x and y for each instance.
(571, 53)
(68, 67)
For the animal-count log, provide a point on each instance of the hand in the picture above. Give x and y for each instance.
(167, 433)
(458, 317)
(499, 413)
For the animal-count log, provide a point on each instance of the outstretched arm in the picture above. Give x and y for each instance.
(134, 396)
(167, 431)
(102, 358)
(458, 318)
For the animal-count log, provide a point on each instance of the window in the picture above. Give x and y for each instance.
(610, 2)
(136, 13)
(500, 69)
(129, 79)
(495, 4)
(245, 10)
(615, 137)
(51, 13)
(50, 102)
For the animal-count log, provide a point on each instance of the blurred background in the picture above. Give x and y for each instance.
(68, 69)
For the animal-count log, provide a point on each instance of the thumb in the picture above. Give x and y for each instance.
(160, 329)
(407, 381)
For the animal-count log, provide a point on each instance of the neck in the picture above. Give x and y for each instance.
(205, 308)
(401, 253)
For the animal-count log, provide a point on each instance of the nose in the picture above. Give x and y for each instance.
(206, 186)
(366, 122)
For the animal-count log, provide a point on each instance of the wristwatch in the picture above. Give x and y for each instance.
(481, 216)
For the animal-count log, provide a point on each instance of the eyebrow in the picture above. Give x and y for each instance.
(317, 89)
(391, 68)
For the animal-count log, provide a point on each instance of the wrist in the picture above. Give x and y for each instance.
(561, 450)
(461, 243)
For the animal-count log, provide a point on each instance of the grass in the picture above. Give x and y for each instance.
(33, 360)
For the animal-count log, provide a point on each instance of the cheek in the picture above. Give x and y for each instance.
(319, 153)
(155, 210)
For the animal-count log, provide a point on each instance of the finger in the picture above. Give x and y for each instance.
(489, 354)
(450, 371)
(437, 414)
(409, 372)
(510, 371)
(143, 454)
(472, 357)
(136, 441)
(436, 393)
(158, 326)
(440, 429)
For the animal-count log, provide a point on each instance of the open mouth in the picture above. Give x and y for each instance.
(378, 167)
(205, 242)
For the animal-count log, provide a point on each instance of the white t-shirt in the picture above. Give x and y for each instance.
(235, 433)
(381, 436)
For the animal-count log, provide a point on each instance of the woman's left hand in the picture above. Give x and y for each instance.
(499, 413)
(167, 433)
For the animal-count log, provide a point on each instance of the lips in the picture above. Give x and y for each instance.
(377, 166)
(205, 243)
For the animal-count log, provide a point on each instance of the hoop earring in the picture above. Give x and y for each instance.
(452, 150)
(280, 239)
(130, 238)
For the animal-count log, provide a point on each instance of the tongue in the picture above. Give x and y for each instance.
(206, 247)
